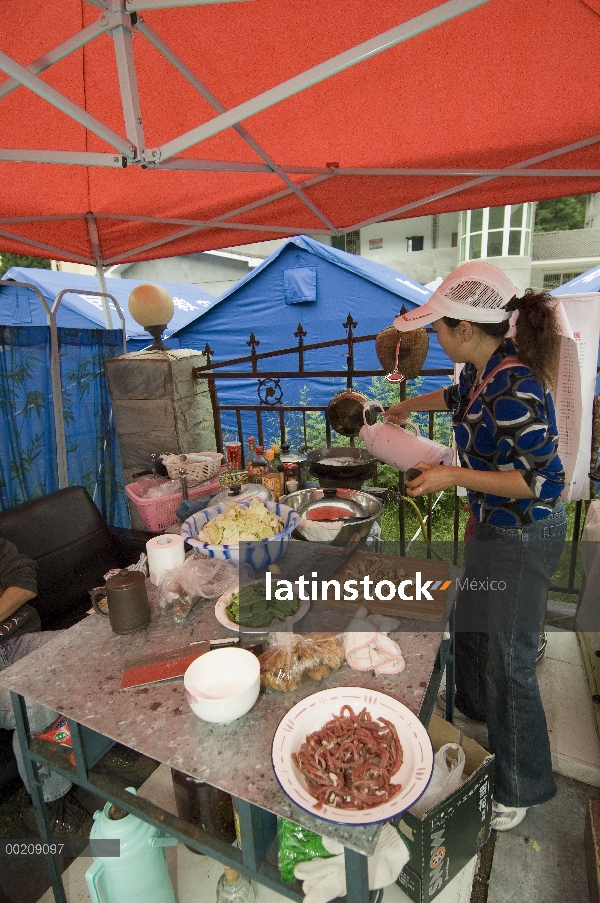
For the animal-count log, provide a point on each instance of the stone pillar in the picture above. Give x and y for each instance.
(159, 408)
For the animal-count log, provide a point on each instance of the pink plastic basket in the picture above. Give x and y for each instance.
(158, 514)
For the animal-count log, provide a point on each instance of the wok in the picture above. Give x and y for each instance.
(360, 469)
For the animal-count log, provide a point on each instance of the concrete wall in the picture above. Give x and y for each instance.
(214, 274)
(424, 266)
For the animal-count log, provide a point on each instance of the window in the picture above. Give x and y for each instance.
(415, 243)
(496, 232)
(353, 242)
(553, 280)
(349, 242)
(435, 229)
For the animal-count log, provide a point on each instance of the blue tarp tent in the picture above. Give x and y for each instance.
(21, 307)
(28, 451)
(586, 282)
(317, 286)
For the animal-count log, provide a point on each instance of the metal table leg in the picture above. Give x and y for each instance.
(37, 795)
(451, 668)
(357, 876)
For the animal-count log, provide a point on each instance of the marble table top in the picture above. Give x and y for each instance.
(78, 674)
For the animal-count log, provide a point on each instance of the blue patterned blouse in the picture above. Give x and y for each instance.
(511, 425)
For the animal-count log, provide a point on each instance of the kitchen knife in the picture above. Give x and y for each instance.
(149, 669)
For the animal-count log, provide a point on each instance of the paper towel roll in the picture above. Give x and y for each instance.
(164, 553)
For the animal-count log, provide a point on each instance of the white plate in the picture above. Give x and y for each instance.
(313, 712)
(223, 618)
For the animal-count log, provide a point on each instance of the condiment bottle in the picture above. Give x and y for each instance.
(270, 477)
(294, 464)
(278, 465)
(251, 452)
(258, 466)
(235, 888)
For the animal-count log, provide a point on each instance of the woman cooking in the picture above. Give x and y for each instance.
(506, 437)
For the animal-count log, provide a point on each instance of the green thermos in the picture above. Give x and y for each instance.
(140, 873)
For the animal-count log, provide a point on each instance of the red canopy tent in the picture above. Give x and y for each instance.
(135, 129)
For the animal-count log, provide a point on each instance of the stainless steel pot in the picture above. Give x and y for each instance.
(332, 506)
(346, 502)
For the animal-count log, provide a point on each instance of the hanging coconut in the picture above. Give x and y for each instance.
(413, 350)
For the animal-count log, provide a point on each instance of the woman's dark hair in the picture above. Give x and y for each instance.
(537, 337)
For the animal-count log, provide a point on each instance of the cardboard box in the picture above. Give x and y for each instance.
(451, 833)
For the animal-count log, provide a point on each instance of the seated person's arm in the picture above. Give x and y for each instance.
(11, 600)
(17, 579)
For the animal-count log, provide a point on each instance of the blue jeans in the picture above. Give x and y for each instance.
(53, 784)
(499, 612)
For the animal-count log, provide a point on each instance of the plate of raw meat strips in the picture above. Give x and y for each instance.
(352, 756)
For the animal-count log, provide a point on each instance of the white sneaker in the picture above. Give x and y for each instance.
(506, 817)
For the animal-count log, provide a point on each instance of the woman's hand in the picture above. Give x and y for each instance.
(434, 478)
(399, 413)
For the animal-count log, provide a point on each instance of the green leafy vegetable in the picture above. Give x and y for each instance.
(250, 607)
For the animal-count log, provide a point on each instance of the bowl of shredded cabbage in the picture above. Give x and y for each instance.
(254, 532)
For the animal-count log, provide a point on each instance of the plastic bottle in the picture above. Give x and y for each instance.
(235, 888)
(251, 453)
(258, 467)
(271, 478)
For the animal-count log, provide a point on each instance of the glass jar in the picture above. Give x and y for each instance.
(204, 806)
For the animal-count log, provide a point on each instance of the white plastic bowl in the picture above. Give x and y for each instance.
(259, 554)
(222, 685)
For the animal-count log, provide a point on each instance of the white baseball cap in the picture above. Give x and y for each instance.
(476, 291)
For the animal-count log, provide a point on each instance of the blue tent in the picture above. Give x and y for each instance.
(21, 307)
(308, 283)
(586, 282)
(28, 449)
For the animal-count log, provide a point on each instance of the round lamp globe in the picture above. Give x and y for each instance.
(151, 305)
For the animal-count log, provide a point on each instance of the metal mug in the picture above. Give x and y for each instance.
(128, 605)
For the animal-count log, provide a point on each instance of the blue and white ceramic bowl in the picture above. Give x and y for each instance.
(259, 554)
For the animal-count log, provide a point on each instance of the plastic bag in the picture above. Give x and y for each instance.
(292, 657)
(162, 490)
(448, 767)
(57, 732)
(198, 577)
(297, 844)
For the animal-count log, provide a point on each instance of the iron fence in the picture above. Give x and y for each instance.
(267, 383)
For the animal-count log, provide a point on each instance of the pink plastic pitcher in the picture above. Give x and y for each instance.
(397, 446)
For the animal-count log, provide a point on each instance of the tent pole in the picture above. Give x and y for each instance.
(59, 421)
(97, 255)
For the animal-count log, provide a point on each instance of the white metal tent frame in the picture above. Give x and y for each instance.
(120, 19)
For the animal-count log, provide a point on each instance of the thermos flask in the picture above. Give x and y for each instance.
(139, 874)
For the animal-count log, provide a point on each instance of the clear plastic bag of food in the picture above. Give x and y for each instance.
(197, 578)
(292, 657)
(297, 844)
(161, 490)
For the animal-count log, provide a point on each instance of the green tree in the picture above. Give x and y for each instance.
(558, 214)
(20, 260)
